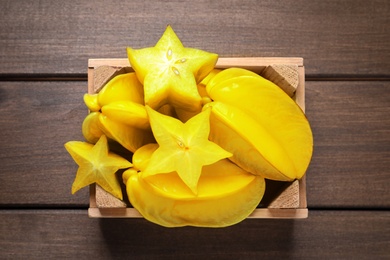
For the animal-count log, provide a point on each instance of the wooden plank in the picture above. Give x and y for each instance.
(351, 126)
(336, 38)
(36, 119)
(70, 234)
(350, 121)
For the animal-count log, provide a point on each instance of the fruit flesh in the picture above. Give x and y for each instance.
(96, 164)
(183, 147)
(170, 72)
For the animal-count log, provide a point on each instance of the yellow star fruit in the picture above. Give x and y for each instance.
(170, 72)
(264, 128)
(142, 156)
(184, 115)
(183, 147)
(121, 87)
(96, 165)
(226, 194)
(128, 113)
(119, 113)
(219, 134)
(91, 128)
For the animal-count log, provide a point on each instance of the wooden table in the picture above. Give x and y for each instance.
(44, 52)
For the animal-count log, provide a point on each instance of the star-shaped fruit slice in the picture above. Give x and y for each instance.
(183, 147)
(96, 165)
(170, 72)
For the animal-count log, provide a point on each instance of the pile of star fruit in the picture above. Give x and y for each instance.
(203, 140)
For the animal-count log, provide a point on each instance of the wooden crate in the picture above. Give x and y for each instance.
(281, 199)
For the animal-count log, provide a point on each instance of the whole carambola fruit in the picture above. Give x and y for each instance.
(267, 132)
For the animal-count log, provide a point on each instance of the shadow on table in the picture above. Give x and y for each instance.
(250, 238)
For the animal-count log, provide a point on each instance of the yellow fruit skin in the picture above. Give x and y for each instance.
(271, 134)
(129, 137)
(90, 128)
(97, 124)
(128, 113)
(185, 115)
(230, 73)
(118, 112)
(239, 134)
(91, 101)
(122, 87)
(142, 156)
(207, 79)
(226, 195)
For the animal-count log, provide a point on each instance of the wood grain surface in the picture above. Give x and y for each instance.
(65, 234)
(350, 122)
(44, 51)
(336, 38)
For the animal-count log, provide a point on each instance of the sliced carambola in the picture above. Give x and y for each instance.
(170, 72)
